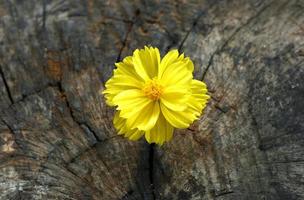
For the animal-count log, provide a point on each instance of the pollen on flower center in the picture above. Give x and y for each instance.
(153, 89)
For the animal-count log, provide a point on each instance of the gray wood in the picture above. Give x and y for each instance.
(57, 140)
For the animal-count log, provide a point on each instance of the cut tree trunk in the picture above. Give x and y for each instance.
(57, 140)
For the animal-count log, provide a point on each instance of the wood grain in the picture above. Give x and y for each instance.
(57, 140)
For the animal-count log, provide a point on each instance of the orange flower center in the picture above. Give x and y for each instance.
(153, 89)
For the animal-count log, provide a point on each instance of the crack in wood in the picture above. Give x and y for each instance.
(44, 15)
(127, 195)
(247, 172)
(58, 86)
(117, 19)
(287, 161)
(8, 126)
(72, 160)
(80, 124)
(222, 109)
(194, 23)
(232, 36)
(151, 169)
(224, 193)
(25, 96)
(124, 42)
(9, 94)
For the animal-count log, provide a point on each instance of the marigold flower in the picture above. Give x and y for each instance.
(153, 96)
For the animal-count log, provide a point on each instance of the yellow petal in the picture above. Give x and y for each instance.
(177, 74)
(196, 84)
(136, 135)
(146, 62)
(120, 126)
(189, 65)
(196, 102)
(126, 68)
(124, 78)
(119, 123)
(129, 97)
(137, 106)
(167, 60)
(148, 137)
(153, 59)
(145, 119)
(178, 119)
(175, 98)
(161, 132)
(112, 90)
(199, 98)
(132, 83)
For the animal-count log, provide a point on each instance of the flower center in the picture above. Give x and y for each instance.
(153, 89)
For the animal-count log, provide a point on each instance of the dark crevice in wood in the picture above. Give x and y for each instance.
(190, 30)
(223, 110)
(88, 149)
(191, 129)
(88, 128)
(44, 15)
(59, 87)
(232, 36)
(6, 86)
(286, 162)
(8, 126)
(240, 164)
(224, 193)
(173, 38)
(151, 169)
(80, 124)
(25, 96)
(127, 195)
(61, 90)
(72, 160)
(124, 42)
(118, 19)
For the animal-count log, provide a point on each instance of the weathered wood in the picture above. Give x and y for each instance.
(57, 140)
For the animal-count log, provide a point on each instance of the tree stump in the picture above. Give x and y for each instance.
(57, 140)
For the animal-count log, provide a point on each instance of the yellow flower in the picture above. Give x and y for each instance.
(153, 95)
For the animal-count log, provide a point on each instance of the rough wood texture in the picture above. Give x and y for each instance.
(56, 136)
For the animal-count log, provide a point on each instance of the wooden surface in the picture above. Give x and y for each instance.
(57, 140)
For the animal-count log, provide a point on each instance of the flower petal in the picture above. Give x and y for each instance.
(136, 135)
(175, 98)
(167, 60)
(161, 132)
(124, 78)
(126, 67)
(146, 118)
(198, 100)
(146, 62)
(154, 60)
(178, 119)
(177, 74)
(129, 98)
(120, 125)
(140, 105)
(128, 81)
